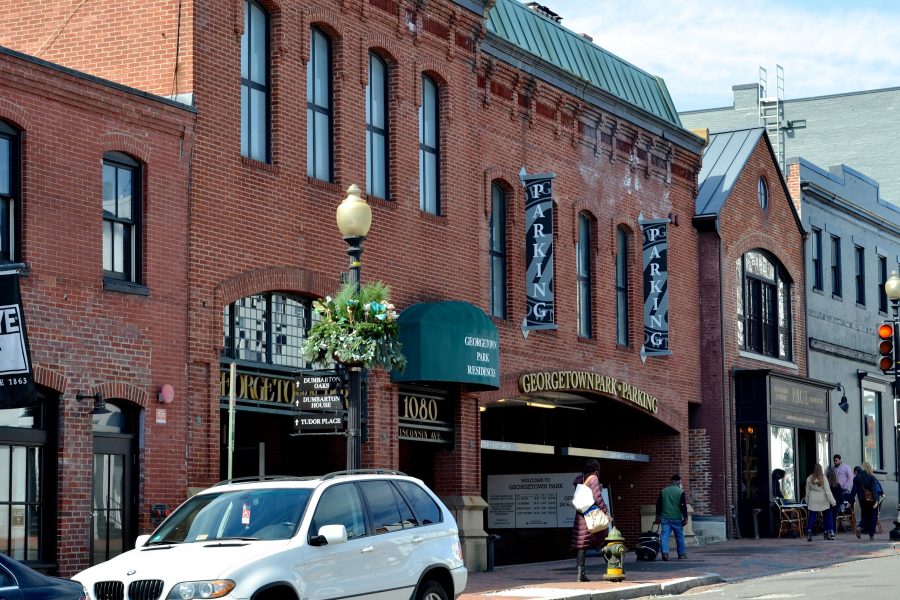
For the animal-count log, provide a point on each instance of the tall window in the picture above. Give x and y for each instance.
(860, 275)
(497, 226)
(318, 107)
(266, 328)
(429, 153)
(621, 287)
(882, 279)
(764, 306)
(583, 252)
(9, 192)
(836, 288)
(762, 192)
(817, 259)
(376, 128)
(121, 217)
(871, 412)
(255, 83)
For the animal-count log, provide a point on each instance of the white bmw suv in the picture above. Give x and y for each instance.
(367, 534)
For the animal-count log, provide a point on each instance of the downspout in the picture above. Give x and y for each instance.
(727, 395)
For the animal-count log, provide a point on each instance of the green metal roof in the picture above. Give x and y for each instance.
(567, 50)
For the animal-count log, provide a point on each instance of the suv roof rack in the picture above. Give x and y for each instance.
(258, 478)
(334, 474)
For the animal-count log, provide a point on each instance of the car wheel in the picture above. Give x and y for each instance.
(431, 590)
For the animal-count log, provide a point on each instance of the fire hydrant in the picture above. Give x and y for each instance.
(614, 553)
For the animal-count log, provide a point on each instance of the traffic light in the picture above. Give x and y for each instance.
(886, 360)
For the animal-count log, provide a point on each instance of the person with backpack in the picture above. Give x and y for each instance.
(867, 489)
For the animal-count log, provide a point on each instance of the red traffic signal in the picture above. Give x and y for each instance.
(886, 361)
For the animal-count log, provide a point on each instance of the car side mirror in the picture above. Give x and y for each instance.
(141, 540)
(329, 534)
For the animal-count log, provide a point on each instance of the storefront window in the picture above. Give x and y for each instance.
(871, 409)
(823, 454)
(781, 453)
(749, 463)
(266, 328)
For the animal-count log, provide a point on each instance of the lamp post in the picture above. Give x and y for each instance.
(892, 289)
(354, 217)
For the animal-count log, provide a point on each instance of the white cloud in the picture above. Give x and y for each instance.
(701, 47)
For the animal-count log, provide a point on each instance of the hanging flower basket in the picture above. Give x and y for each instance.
(355, 329)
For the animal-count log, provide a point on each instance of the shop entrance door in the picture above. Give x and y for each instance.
(806, 457)
(112, 497)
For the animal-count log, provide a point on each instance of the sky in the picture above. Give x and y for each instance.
(701, 48)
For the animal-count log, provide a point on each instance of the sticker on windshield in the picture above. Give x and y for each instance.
(245, 514)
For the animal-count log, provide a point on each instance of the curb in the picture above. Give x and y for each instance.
(627, 592)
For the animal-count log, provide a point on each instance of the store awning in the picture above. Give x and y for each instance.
(449, 342)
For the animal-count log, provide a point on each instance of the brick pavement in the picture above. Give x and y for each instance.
(705, 565)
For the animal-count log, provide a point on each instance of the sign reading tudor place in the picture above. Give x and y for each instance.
(586, 381)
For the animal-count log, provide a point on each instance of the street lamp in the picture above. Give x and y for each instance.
(892, 289)
(354, 217)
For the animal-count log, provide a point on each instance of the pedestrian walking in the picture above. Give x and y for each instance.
(819, 500)
(836, 493)
(671, 513)
(867, 489)
(582, 539)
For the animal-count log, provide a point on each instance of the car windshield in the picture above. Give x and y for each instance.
(257, 514)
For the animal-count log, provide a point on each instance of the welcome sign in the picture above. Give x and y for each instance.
(656, 286)
(541, 312)
(16, 377)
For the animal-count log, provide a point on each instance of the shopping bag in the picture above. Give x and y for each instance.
(583, 498)
(596, 519)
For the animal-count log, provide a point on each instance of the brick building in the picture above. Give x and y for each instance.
(436, 108)
(94, 195)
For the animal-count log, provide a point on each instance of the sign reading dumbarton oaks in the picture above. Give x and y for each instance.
(554, 381)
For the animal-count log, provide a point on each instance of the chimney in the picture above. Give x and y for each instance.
(544, 11)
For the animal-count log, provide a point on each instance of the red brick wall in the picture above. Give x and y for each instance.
(82, 337)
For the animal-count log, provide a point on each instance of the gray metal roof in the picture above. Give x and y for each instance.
(724, 158)
(550, 41)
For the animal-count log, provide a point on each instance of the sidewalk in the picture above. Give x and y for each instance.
(705, 565)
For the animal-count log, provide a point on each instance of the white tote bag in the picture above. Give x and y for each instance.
(583, 498)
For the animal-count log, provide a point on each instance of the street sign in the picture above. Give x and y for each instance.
(331, 402)
(321, 422)
(319, 381)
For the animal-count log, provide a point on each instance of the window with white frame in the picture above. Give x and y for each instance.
(377, 128)
(763, 306)
(255, 83)
(319, 111)
(429, 148)
(121, 217)
(871, 413)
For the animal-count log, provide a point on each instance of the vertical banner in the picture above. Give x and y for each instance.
(656, 287)
(541, 312)
(16, 377)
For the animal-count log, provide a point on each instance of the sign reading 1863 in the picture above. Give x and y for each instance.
(16, 377)
(425, 418)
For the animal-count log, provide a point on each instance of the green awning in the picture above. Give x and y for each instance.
(449, 342)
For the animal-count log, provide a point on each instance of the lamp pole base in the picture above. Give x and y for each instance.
(895, 532)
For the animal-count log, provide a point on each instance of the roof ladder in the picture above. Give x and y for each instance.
(771, 112)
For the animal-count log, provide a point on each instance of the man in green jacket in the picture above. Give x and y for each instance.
(671, 511)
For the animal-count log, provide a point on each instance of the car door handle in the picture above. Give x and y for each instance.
(418, 539)
(368, 549)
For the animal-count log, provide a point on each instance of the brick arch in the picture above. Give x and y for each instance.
(124, 391)
(624, 221)
(119, 141)
(14, 114)
(584, 206)
(506, 177)
(328, 21)
(50, 378)
(437, 71)
(384, 46)
(289, 279)
(757, 240)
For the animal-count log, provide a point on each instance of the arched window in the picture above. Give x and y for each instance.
(497, 227)
(319, 107)
(764, 306)
(255, 83)
(122, 185)
(583, 257)
(762, 191)
(622, 332)
(377, 128)
(429, 149)
(267, 329)
(10, 194)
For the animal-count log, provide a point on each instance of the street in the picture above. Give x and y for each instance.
(876, 576)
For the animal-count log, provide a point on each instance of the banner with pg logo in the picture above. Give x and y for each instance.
(541, 312)
(16, 377)
(656, 287)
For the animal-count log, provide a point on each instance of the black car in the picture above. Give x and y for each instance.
(18, 582)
